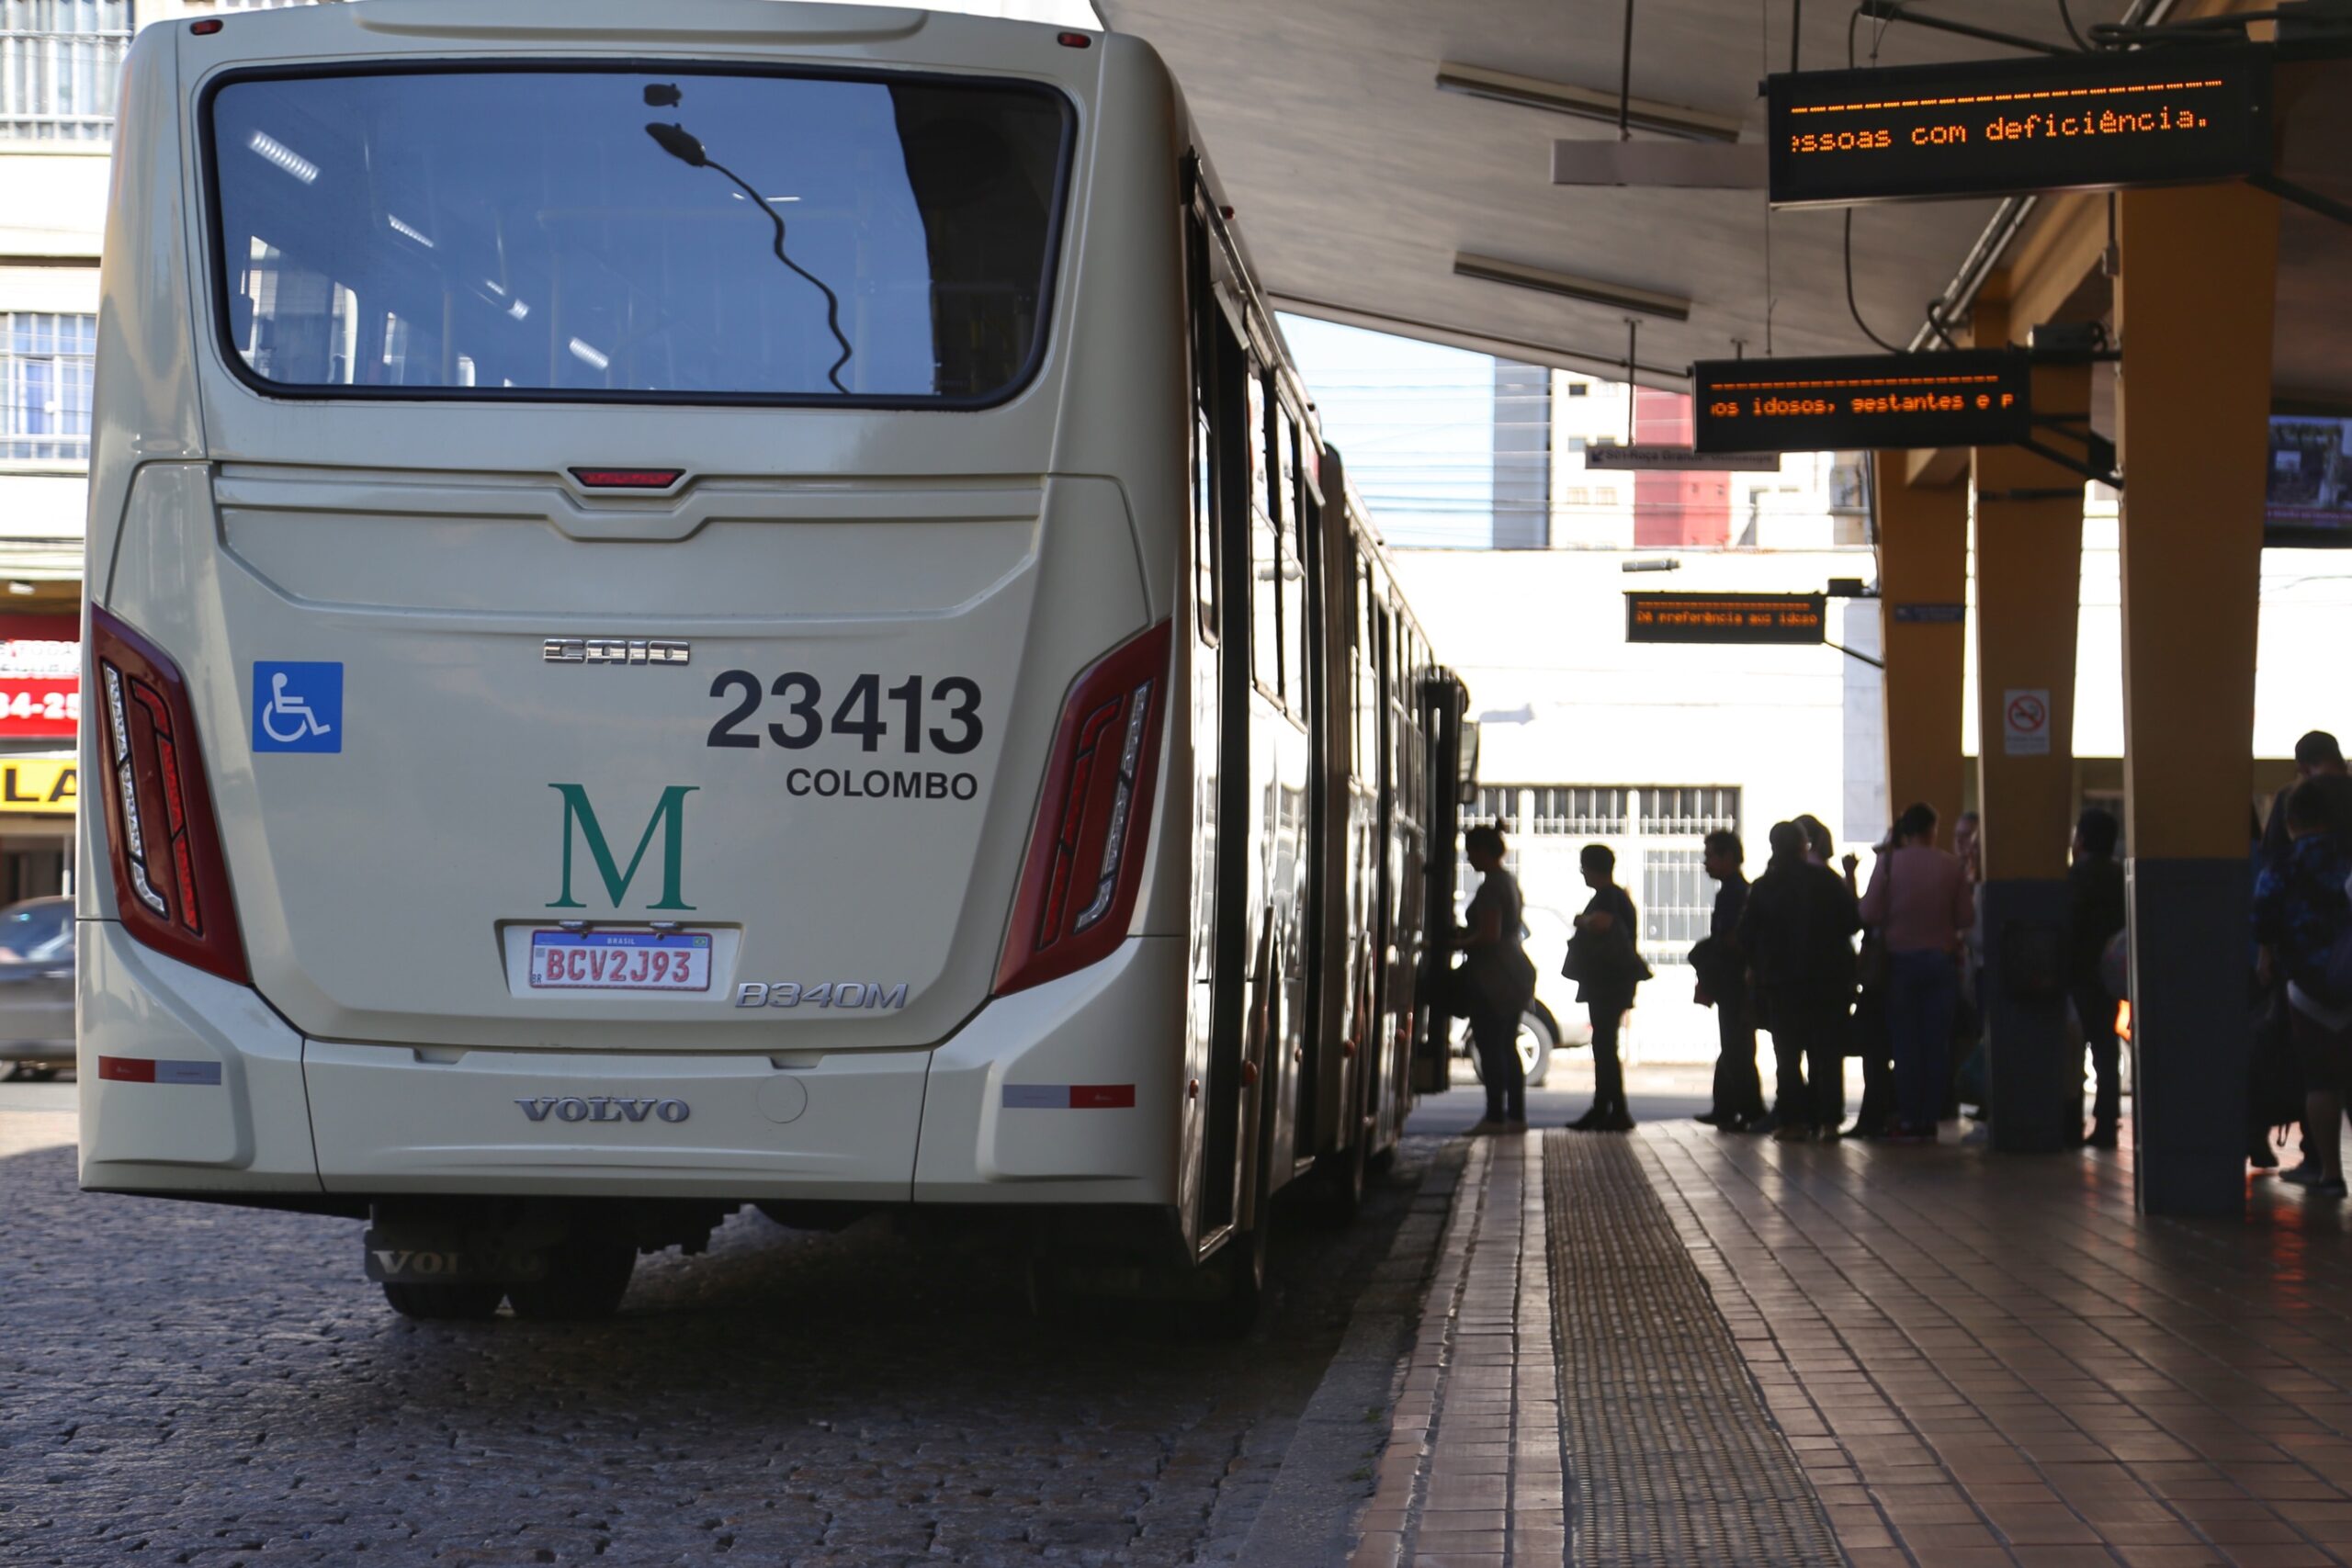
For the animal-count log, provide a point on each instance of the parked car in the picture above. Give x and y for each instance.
(37, 987)
(1541, 1031)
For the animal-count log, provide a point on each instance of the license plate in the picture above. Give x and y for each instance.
(620, 960)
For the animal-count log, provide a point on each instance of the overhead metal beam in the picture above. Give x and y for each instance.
(1532, 351)
(1569, 286)
(1587, 103)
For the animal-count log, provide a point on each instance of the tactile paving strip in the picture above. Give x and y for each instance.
(1671, 1455)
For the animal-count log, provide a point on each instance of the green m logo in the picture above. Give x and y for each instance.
(670, 816)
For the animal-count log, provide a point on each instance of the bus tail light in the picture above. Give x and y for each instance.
(1086, 854)
(170, 876)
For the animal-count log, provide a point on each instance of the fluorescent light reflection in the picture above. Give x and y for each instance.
(284, 157)
(408, 228)
(591, 355)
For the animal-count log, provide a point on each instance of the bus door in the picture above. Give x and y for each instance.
(1225, 427)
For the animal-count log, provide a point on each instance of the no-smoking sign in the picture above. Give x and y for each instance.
(2025, 722)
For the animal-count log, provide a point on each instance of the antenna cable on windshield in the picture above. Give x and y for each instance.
(682, 145)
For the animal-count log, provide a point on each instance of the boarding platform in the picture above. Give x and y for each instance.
(1675, 1347)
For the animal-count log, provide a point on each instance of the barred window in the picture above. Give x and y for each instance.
(45, 364)
(59, 60)
(1582, 811)
(1497, 806)
(1678, 900)
(1693, 811)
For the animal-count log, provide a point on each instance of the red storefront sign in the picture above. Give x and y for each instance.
(40, 677)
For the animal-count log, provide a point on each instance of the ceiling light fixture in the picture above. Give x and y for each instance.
(1586, 102)
(1591, 290)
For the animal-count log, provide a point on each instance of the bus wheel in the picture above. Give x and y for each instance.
(468, 1302)
(585, 1279)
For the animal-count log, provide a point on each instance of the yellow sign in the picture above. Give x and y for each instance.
(40, 785)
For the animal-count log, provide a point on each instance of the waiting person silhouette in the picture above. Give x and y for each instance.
(1798, 931)
(1607, 967)
(1500, 979)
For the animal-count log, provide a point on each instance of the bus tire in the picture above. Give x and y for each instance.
(584, 1281)
(458, 1301)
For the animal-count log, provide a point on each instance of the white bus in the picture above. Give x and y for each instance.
(726, 602)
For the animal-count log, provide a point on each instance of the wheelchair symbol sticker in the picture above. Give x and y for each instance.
(297, 707)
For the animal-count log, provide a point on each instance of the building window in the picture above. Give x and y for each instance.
(1687, 812)
(1678, 901)
(45, 363)
(1579, 388)
(59, 60)
(1654, 831)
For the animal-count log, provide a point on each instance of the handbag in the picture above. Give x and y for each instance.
(1507, 987)
(1455, 991)
(1605, 960)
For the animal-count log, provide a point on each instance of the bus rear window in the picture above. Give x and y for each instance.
(632, 235)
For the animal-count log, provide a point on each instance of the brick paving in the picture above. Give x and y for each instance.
(188, 1384)
(1471, 1475)
(1993, 1360)
(1978, 1359)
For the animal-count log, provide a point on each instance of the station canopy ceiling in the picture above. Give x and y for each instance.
(1359, 182)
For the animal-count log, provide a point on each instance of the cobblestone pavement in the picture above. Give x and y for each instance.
(187, 1385)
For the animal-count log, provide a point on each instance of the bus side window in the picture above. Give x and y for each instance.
(1299, 504)
(1367, 680)
(1265, 555)
(1206, 475)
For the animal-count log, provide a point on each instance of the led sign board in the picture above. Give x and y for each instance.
(1972, 398)
(1998, 127)
(1724, 617)
(2310, 490)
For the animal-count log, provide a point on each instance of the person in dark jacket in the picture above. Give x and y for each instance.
(2094, 914)
(2317, 755)
(1607, 930)
(2301, 911)
(1798, 932)
(1722, 974)
(1874, 1036)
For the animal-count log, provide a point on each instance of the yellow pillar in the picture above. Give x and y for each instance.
(2028, 517)
(2194, 313)
(1922, 577)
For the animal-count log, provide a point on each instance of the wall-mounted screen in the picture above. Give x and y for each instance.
(2309, 494)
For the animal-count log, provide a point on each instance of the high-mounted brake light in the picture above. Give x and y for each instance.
(1073, 41)
(628, 479)
(206, 28)
(1085, 865)
(170, 876)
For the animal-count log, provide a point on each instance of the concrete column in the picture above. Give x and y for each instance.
(2193, 307)
(1922, 561)
(2029, 568)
